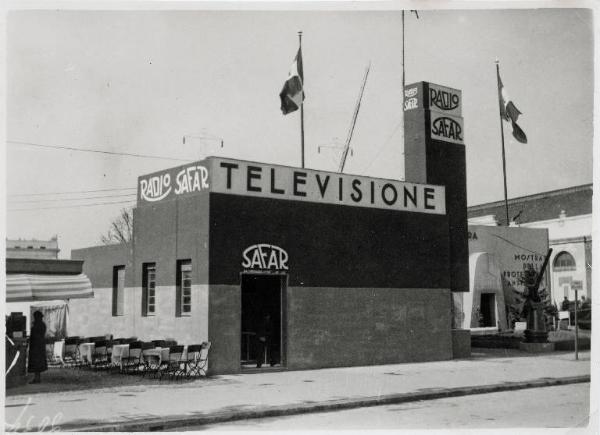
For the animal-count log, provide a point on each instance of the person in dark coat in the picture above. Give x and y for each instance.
(37, 348)
(264, 333)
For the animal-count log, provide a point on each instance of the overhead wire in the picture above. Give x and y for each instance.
(72, 191)
(382, 147)
(72, 206)
(84, 198)
(89, 150)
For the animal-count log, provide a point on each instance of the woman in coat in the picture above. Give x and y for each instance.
(37, 347)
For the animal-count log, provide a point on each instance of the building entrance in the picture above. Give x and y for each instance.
(262, 315)
(488, 309)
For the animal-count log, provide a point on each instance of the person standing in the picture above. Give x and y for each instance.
(564, 306)
(264, 333)
(37, 348)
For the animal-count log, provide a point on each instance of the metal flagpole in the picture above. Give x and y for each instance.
(576, 328)
(503, 152)
(403, 79)
(302, 103)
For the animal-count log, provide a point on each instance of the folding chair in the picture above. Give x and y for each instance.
(173, 366)
(133, 360)
(100, 354)
(58, 353)
(70, 358)
(197, 357)
(81, 362)
(148, 365)
(51, 359)
(564, 320)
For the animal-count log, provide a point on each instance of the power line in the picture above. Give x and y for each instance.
(518, 246)
(72, 206)
(72, 191)
(383, 146)
(72, 199)
(114, 153)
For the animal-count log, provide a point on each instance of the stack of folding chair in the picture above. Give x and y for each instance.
(175, 365)
(131, 363)
(197, 358)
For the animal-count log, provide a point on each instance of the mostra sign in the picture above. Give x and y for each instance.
(236, 177)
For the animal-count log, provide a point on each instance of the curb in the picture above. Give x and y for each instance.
(182, 421)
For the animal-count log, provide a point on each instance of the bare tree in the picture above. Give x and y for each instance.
(121, 229)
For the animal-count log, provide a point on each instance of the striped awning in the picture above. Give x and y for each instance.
(29, 287)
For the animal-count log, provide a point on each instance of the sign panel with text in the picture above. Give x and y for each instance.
(282, 182)
(446, 128)
(237, 177)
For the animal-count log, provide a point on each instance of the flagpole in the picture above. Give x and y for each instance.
(301, 106)
(403, 75)
(503, 152)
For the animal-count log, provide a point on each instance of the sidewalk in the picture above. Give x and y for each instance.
(230, 397)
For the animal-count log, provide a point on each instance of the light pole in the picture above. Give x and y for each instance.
(204, 138)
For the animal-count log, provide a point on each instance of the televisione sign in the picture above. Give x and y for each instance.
(219, 175)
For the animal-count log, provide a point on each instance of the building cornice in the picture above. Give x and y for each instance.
(578, 239)
(551, 193)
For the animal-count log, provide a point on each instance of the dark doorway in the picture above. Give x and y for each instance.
(488, 309)
(262, 317)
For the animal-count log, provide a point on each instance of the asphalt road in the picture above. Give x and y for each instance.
(563, 406)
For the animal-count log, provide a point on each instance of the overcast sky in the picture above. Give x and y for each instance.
(137, 82)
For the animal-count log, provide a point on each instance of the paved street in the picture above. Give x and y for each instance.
(563, 406)
(220, 398)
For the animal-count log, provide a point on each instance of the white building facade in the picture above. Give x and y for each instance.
(567, 215)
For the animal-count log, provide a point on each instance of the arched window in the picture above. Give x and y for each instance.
(564, 261)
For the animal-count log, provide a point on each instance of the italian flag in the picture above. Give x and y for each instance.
(509, 112)
(292, 94)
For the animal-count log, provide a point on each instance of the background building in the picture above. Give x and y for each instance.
(39, 249)
(498, 256)
(567, 215)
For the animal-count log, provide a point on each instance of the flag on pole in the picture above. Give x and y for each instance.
(509, 112)
(292, 94)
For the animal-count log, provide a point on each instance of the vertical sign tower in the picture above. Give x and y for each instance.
(434, 153)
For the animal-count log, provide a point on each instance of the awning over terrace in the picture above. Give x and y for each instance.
(23, 287)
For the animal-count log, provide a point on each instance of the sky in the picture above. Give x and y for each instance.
(137, 81)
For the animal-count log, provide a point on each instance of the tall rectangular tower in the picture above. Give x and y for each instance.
(434, 153)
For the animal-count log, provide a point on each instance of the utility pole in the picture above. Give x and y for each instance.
(576, 328)
(302, 103)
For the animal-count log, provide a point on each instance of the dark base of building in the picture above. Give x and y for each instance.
(340, 327)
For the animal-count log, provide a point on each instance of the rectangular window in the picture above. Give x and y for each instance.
(183, 291)
(118, 296)
(149, 289)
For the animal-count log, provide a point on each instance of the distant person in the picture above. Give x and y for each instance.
(264, 334)
(585, 303)
(564, 306)
(37, 348)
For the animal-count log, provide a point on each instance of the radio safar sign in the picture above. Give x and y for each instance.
(447, 128)
(444, 99)
(182, 180)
